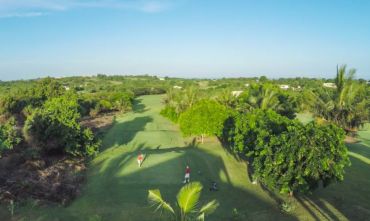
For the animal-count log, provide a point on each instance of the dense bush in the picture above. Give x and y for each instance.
(170, 113)
(8, 135)
(102, 102)
(55, 128)
(11, 104)
(287, 155)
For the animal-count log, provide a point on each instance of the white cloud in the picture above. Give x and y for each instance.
(22, 15)
(31, 8)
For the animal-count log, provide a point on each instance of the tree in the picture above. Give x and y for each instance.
(180, 101)
(226, 98)
(187, 204)
(204, 118)
(267, 96)
(287, 155)
(348, 105)
(55, 128)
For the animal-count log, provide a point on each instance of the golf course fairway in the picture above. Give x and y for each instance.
(116, 188)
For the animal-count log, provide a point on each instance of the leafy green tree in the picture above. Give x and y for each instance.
(287, 155)
(187, 204)
(204, 118)
(56, 129)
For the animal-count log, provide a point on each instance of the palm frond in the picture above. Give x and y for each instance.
(155, 199)
(188, 197)
(209, 207)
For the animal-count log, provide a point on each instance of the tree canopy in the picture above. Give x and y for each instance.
(204, 118)
(287, 155)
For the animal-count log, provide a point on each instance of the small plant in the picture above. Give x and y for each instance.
(287, 207)
(236, 215)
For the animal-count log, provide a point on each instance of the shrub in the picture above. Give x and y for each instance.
(55, 128)
(9, 136)
(170, 113)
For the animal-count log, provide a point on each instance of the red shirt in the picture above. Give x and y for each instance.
(140, 157)
(187, 170)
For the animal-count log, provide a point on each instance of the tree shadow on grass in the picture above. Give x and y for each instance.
(120, 173)
(138, 106)
(349, 199)
(123, 133)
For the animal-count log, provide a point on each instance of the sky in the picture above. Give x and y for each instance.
(183, 38)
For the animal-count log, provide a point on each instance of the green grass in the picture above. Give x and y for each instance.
(116, 188)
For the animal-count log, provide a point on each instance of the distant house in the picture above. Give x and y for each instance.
(236, 93)
(329, 85)
(66, 88)
(177, 87)
(247, 85)
(161, 79)
(284, 86)
(298, 88)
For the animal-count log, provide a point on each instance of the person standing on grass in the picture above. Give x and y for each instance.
(140, 159)
(187, 174)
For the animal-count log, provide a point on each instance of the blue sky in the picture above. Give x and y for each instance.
(183, 38)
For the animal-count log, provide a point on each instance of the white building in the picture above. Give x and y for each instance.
(161, 79)
(236, 93)
(247, 85)
(329, 85)
(284, 86)
(66, 88)
(177, 87)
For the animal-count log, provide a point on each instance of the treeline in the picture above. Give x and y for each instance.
(258, 123)
(47, 114)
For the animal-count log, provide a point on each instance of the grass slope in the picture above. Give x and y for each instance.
(116, 188)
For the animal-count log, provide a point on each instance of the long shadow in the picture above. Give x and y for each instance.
(321, 208)
(123, 133)
(138, 106)
(350, 197)
(168, 176)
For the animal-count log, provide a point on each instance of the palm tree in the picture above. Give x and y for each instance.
(180, 100)
(187, 205)
(348, 107)
(226, 98)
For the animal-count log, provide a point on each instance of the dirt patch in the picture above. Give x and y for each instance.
(52, 179)
(99, 123)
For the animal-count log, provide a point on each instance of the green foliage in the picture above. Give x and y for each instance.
(204, 118)
(170, 113)
(287, 155)
(55, 128)
(180, 100)
(102, 102)
(348, 106)
(9, 136)
(267, 96)
(187, 201)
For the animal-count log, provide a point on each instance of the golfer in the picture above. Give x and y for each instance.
(140, 159)
(187, 175)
